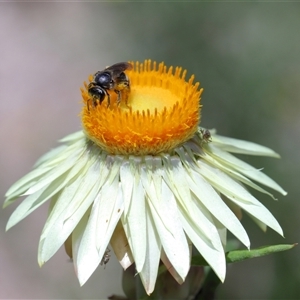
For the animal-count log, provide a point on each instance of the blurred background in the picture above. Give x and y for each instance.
(246, 56)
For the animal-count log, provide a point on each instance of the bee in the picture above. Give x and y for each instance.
(111, 78)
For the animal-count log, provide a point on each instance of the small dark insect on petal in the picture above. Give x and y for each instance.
(105, 258)
(205, 135)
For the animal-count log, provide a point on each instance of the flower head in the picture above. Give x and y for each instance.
(144, 178)
(162, 112)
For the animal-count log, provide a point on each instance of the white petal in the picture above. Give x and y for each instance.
(212, 201)
(198, 214)
(55, 173)
(22, 185)
(187, 204)
(233, 173)
(214, 257)
(104, 172)
(170, 268)
(74, 193)
(134, 223)
(256, 209)
(42, 193)
(165, 215)
(245, 169)
(224, 183)
(69, 209)
(77, 235)
(222, 232)
(175, 177)
(149, 272)
(127, 179)
(32, 202)
(243, 147)
(239, 195)
(121, 247)
(51, 155)
(73, 137)
(60, 154)
(104, 217)
(205, 234)
(177, 182)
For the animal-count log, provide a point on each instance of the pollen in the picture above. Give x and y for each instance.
(160, 112)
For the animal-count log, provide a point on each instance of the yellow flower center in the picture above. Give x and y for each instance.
(162, 112)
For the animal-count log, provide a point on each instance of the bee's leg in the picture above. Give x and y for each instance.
(87, 105)
(103, 97)
(95, 102)
(108, 100)
(125, 95)
(119, 96)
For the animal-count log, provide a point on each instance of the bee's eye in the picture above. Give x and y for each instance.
(104, 80)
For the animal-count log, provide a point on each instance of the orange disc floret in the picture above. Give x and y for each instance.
(162, 112)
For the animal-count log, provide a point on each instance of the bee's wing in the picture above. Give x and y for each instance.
(118, 68)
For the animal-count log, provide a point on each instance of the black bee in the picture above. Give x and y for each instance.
(111, 78)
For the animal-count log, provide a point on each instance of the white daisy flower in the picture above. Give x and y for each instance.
(144, 178)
